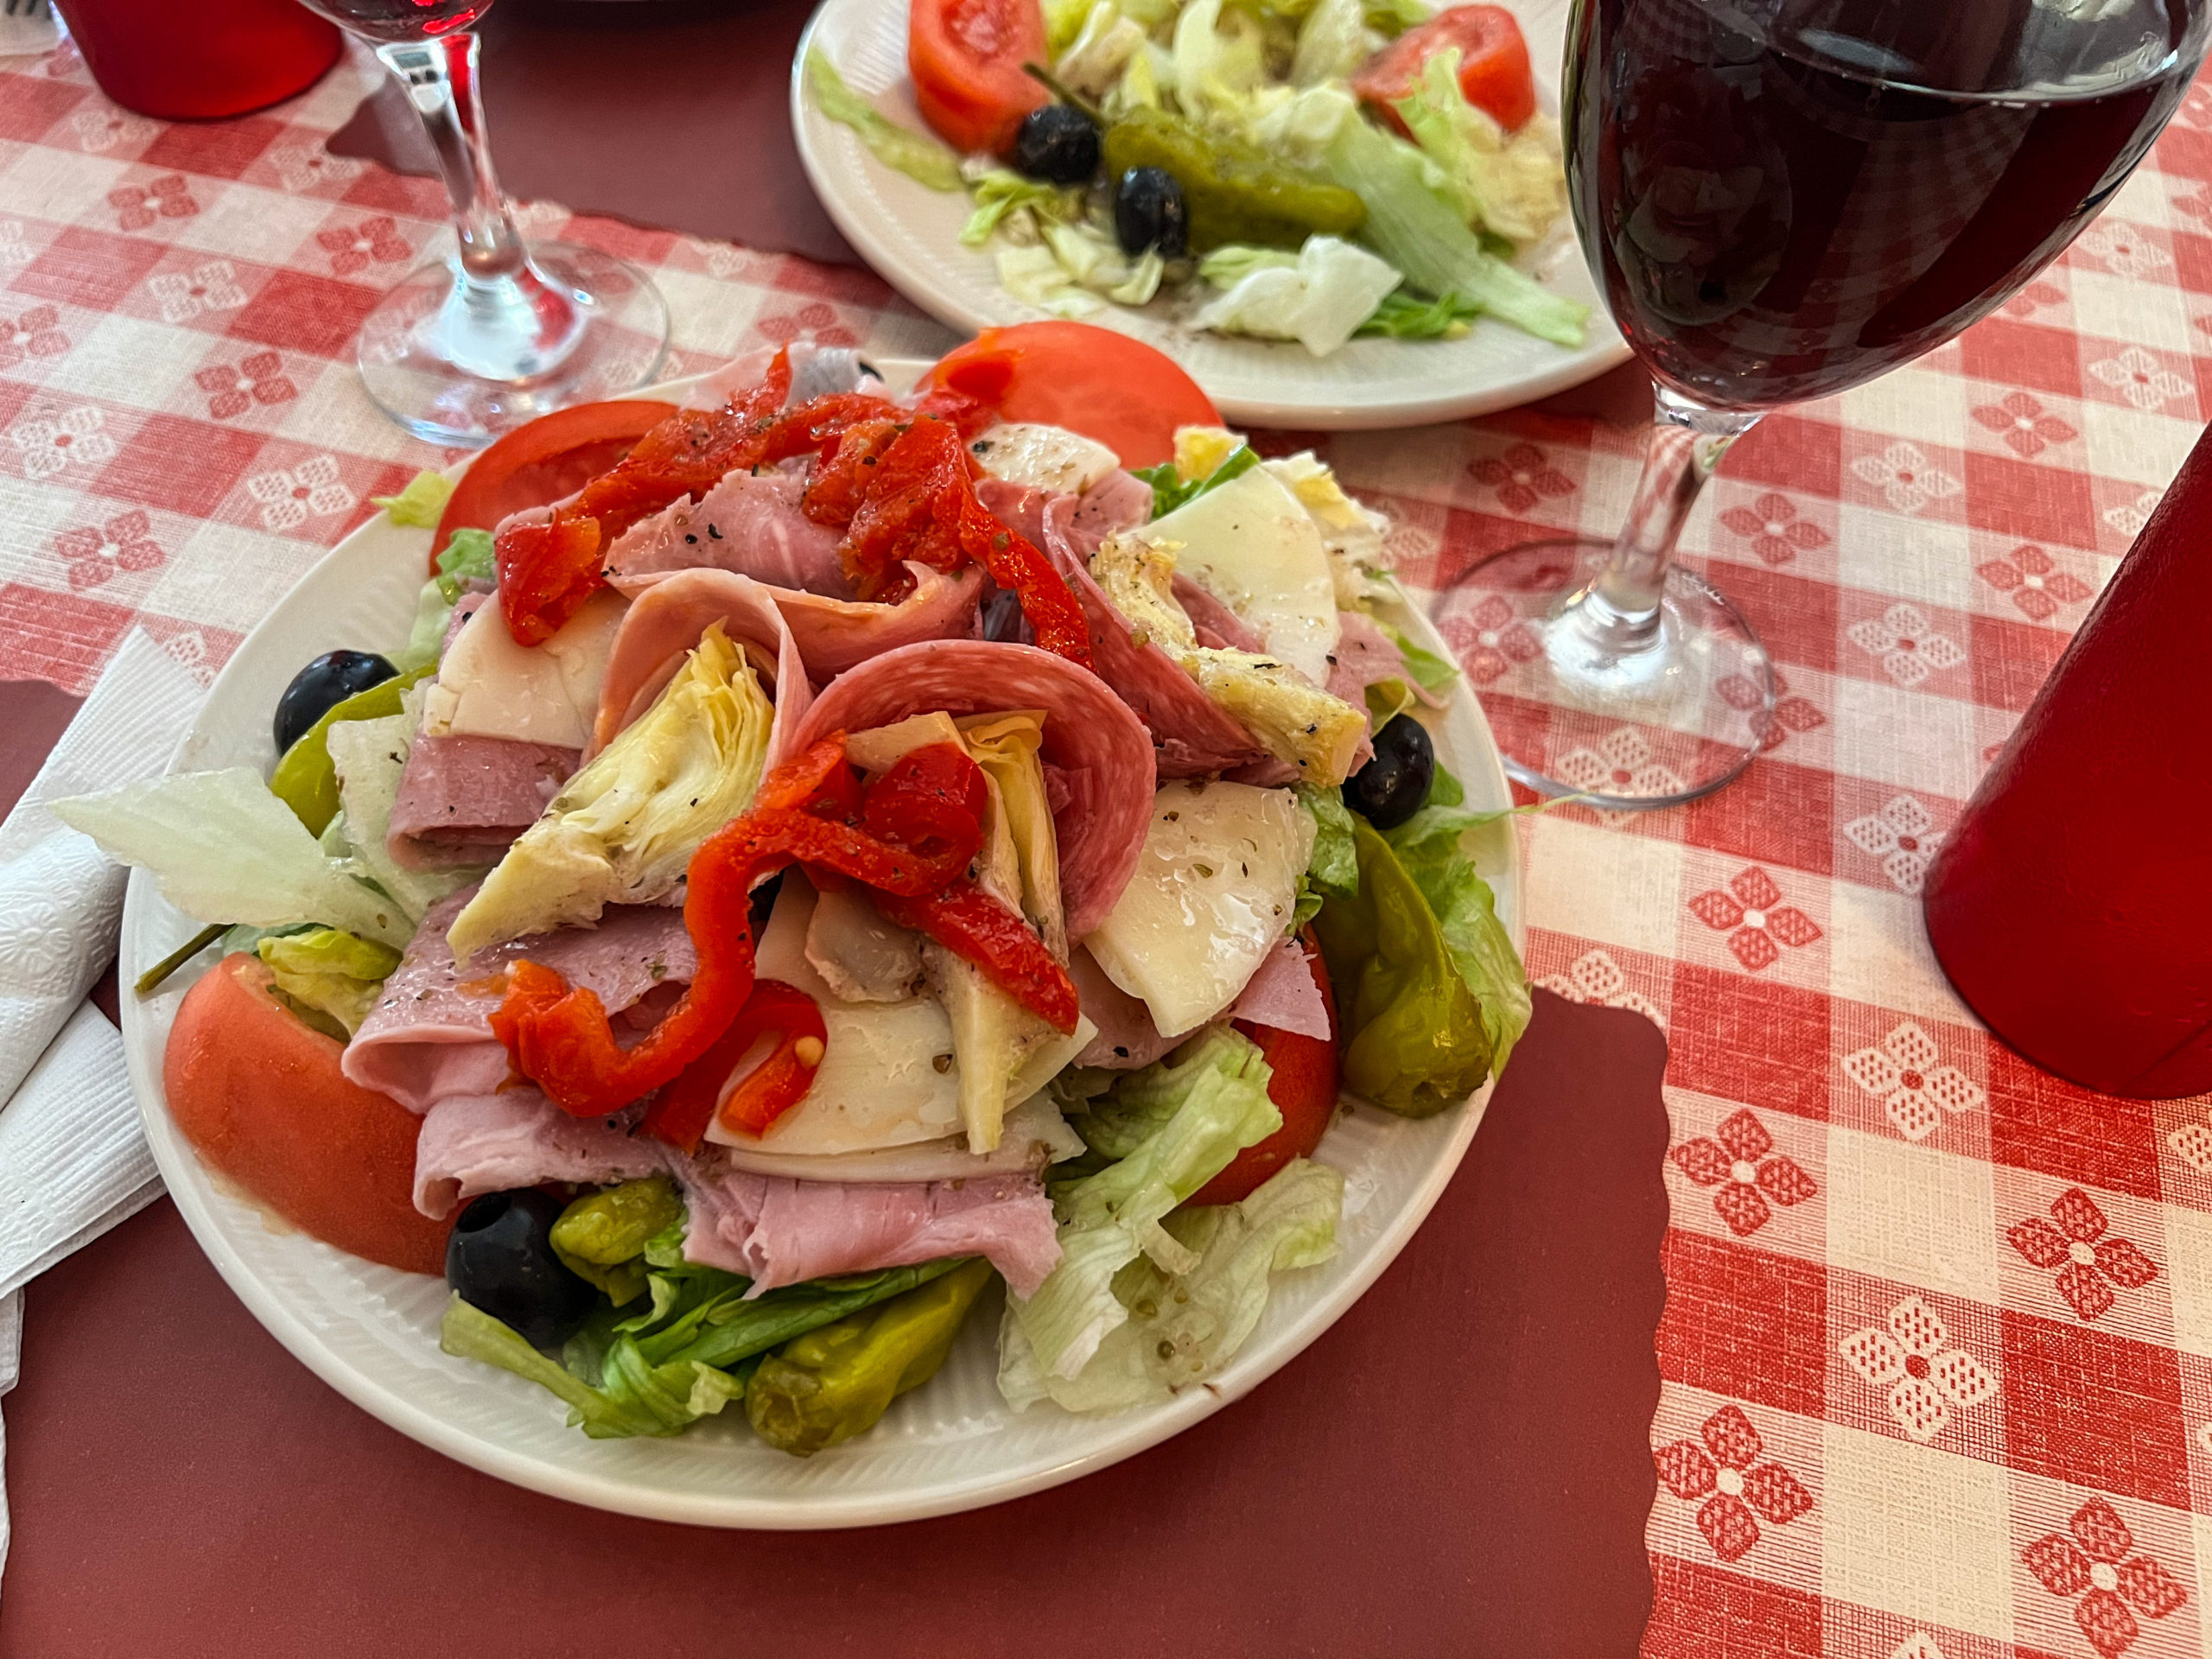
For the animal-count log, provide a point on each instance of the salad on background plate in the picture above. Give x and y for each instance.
(1334, 213)
(820, 855)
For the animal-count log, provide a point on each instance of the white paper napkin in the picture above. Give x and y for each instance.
(72, 1160)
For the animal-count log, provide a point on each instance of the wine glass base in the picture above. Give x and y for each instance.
(1624, 731)
(460, 374)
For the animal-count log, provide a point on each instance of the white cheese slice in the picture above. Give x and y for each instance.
(1212, 895)
(1253, 545)
(879, 1084)
(1044, 457)
(1035, 1135)
(489, 686)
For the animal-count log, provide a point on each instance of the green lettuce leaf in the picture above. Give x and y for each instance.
(1171, 1128)
(1181, 1328)
(469, 557)
(643, 1400)
(1403, 316)
(1171, 491)
(330, 971)
(421, 504)
(1514, 186)
(1434, 672)
(999, 191)
(920, 158)
(1427, 846)
(370, 757)
(1334, 866)
(224, 850)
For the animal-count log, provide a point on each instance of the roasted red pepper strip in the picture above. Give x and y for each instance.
(932, 800)
(681, 1111)
(972, 924)
(561, 1039)
(547, 571)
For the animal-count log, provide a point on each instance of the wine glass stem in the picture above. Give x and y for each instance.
(1619, 611)
(440, 76)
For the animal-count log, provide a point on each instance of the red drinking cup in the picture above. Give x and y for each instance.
(2072, 906)
(200, 59)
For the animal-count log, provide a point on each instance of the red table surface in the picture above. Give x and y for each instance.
(1462, 1461)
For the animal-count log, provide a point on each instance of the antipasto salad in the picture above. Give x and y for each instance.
(819, 852)
(1305, 170)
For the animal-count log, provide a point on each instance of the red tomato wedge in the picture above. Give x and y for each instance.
(1303, 1088)
(966, 57)
(1493, 72)
(554, 455)
(261, 1098)
(1108, 387)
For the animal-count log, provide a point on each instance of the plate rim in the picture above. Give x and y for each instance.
(1604, 351)
(193, 1188)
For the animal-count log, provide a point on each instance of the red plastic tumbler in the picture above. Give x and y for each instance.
(200, 59)
(2072, 906)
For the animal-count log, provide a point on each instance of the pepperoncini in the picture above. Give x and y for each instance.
(1234, 192)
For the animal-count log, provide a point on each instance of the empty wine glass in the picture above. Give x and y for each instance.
(1783, 198)
(503, 331)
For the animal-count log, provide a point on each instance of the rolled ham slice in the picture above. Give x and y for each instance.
(835, 635)
(1365, 654)
(779, 1231)
(1099, 748)
(472, 1144)
(1195, 737)
(665, 622)
(1281, 993)
(430, 1036)
(463, 800)
(749, 523)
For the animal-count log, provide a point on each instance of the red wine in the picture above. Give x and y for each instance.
(393, 21)
(1788, 197)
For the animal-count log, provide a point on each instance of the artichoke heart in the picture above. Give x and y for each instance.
(1288, 715)
(624, 829)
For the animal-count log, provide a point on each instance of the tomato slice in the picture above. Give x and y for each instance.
(1108, 387)
(966, 57)
(1303, 1088)
(1494, 72)
(554, 455)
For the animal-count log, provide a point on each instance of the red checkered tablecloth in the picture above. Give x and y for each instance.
(1938, 1354)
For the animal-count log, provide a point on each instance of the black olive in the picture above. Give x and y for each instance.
(1058, 143)
(499, 1257)
(1390, 788)
(1148, 213)
(322, 686)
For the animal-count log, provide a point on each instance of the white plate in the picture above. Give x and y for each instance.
(371, 1333)
(911, 234)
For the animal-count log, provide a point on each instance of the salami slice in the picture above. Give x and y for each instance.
(1098, 745)
(666, 621)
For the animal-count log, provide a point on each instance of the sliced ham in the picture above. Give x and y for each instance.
(1281, 993)
(1127, 1038)
(1100, 748)
(665, 622)
(1364, 654)
(1194, 735)
(462, 800)
(749, 523)
(429, 1035)
(471, 1144)
(779, 1231)
(1020, 507)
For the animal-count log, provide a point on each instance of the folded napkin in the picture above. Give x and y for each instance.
(72, 1160)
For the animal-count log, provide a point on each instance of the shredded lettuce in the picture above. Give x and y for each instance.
(1095, 59)
(224, 850)
(433, 610)
(1333, 868)
(1332, 43)
(919, 157)
(1034, 277)
(1403, 316)
(1514, 185)
(1414, 222)
(1171, 1128)
(1395, 18)
(1181, 1328)
(1321, 302)
(622, 830)
(640, 1400)
(421, 504)
(1063, 20)
(1220, 58)
(1092, 261)
(328, 971)
(999, 192)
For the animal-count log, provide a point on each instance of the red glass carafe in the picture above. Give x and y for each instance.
(200, 59)
(2072, 906)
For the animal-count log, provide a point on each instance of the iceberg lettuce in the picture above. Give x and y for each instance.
(1182, 1327)
(1514, 185)
(1320, 300)
(920, 158)
(1171, 1128)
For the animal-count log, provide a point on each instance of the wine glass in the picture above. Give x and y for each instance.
(1783, 198)
(503, 331)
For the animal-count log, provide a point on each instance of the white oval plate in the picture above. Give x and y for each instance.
(371, 1333)
(911, 235)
